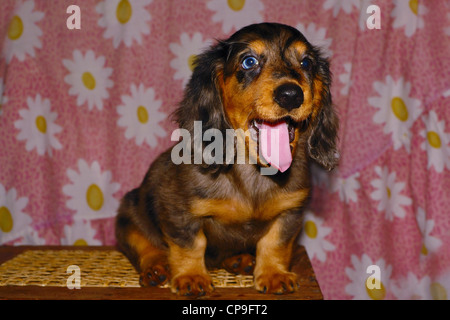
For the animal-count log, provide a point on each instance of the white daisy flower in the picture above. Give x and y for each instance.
(235, 14)
(124, 20)
(387, 192)
(140, 115)
(14, 223)
(186, 51)
(337, 5)
(23, 33)
(3, 98)
(411, 288)
(346, 187)
(430, 243)
(436, 142)
(345, 78)
(440, 287)
(80, 233)
(91, 192)
(31, 238)
(408, 14)
(317, 37)
(396, 110)
(88, 79)
(446, 93)
(359, 275)
(37, 126)
(313, 237)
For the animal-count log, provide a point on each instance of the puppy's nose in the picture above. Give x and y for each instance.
(289, 96)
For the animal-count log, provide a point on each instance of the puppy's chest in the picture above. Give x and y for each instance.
(234, 204)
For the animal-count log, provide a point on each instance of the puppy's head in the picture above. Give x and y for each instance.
(265, 76)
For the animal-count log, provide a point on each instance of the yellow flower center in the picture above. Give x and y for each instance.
(310, 229)
(399, 109)
(438, 292)
(41, 124)
(94, 197)
(377, 294)
(388, 191)
(6, 221)
(433, 139)
(80, 242)
(414, 5)
(15, 29)
(191, 61)
(236, 5)
(124, 11)
(88, 80)
(142, 114)
(424, 250)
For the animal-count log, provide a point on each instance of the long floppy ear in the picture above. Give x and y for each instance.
(322, 142)
(202, 100)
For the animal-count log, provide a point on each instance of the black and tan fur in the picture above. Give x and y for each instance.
(186, 218)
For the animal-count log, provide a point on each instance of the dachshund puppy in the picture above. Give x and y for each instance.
(187, 217)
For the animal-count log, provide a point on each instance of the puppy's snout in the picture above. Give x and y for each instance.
(289, 96)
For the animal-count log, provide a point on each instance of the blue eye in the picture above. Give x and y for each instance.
(306, 64)
(249, 63)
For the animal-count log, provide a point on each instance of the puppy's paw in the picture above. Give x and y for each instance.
(276, 282)
(155, 275)
(240, 264)
(192, 284)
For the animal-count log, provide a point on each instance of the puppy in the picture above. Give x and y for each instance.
(185, 218)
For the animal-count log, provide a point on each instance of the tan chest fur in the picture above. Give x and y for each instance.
(234, 210)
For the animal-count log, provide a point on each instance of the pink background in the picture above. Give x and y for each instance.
(353, 230)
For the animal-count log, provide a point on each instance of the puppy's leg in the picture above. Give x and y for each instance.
(273, 258)
(152, 261)
(146, 251)
(187, 264)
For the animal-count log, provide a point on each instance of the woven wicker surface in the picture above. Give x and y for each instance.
(102, 268)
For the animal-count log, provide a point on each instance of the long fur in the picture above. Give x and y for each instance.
(184, 218)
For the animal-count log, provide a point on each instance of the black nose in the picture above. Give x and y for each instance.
(289, 96)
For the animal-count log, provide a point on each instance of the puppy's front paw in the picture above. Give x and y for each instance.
(154, 275)
(277, 282)
(192, 284)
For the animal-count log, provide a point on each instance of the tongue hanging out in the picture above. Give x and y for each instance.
(274, 144)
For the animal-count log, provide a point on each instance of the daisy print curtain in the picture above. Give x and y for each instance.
(83, 113)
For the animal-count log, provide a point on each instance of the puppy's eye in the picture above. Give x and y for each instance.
(306, 64)
(249, 63)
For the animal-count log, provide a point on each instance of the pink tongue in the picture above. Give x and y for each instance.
(274, 144)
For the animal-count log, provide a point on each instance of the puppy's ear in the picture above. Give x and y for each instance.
(202, 100)
(322, 142)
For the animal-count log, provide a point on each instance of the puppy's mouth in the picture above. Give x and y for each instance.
(256, 124)
(274, 140)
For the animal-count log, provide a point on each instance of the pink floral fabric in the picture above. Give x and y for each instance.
(83, 113)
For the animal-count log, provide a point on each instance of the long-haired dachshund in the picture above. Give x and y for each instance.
(185, 218)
